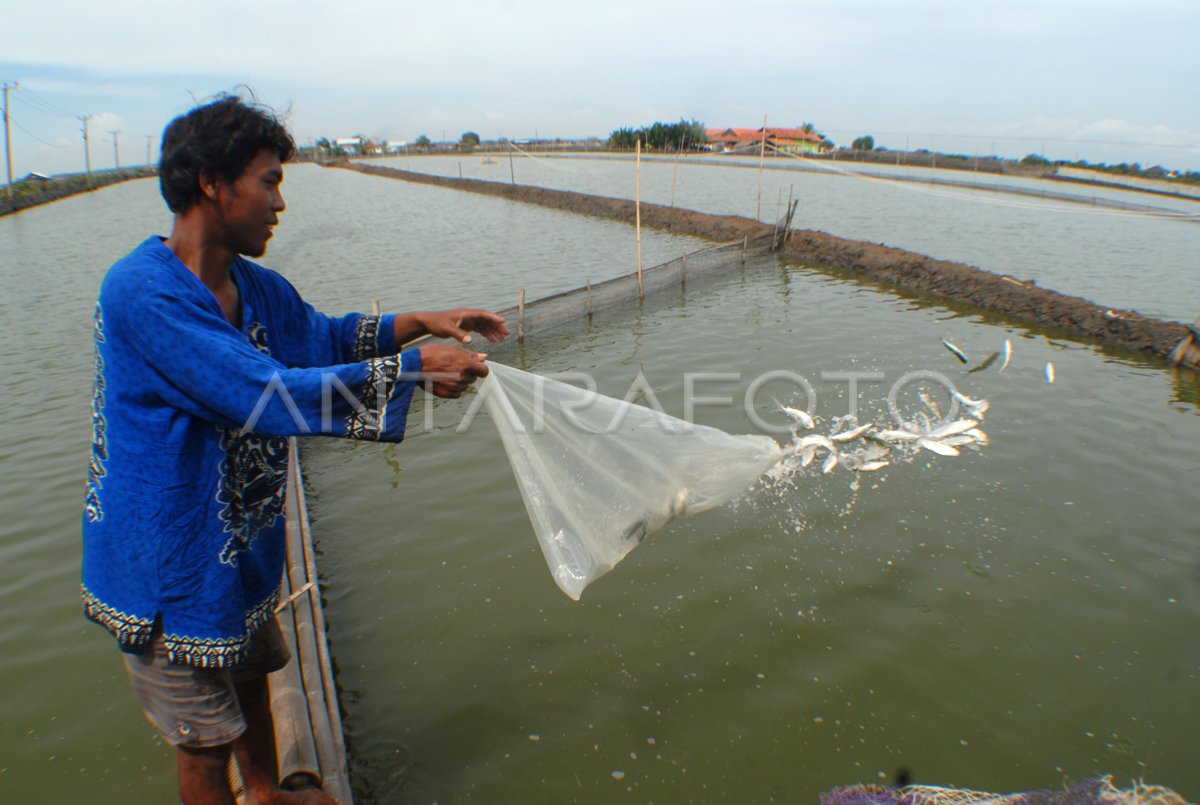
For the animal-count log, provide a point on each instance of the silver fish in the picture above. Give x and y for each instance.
(958, 353)
(1007, 354)
(806, 454)
(831, 461)
(897, 435)
(967, 401)
(872, 466)
(988, 361)
(818, 440)
(958, 440)
(978, 435)
(952, 428)
(854, 433)
(1049, 372)
(937, 447)
(803, 418)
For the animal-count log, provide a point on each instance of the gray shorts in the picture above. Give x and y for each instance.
(199, 707)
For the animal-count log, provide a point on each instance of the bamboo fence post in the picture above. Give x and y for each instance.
(511, 173)
(521, 317)
(787, 232)
(589, 296)
(762, 150)
(675, 173)
(638, 216)
(375, 308)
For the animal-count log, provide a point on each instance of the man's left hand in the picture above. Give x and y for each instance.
(459, 323)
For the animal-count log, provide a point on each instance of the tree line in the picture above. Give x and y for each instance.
(684, 135)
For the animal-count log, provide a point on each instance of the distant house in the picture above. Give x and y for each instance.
(37, 178)
(792, 141)
(351, 145)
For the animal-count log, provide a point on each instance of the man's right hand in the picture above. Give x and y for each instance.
(448, 371)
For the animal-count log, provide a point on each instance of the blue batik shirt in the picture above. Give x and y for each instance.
(183, 522)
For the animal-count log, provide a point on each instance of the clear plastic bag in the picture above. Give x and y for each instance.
(598, 474)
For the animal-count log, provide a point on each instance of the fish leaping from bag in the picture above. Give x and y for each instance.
(854, 433)
(1007, 354)
(958, 353)
(801, 418)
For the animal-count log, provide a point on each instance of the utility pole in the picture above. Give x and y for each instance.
(87, 148)
(149, 138)
(116, 148)
(7, 137)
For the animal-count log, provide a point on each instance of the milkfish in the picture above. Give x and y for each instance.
(831, 461)
(854, 433)
(817, 440)
(897, 435)
(988, 361)
(1007, 354)
(802, 418)
(1049, 372)
(958, 353)
(952, 428)
(978, 435)
(872, 466)
(937, 447)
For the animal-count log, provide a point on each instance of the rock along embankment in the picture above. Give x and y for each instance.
(896, 268)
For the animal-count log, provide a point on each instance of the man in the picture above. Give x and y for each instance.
(205, 364)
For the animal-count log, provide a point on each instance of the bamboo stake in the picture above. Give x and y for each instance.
(675, 174)
(589, 296)
(638, 216)
(787, 232)
(375, 308)
(521, 317)
(762, 150)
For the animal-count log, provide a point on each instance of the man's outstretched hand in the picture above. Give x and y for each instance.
(460, 322)
(448, 371)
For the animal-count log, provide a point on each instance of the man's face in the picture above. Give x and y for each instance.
(249, 207)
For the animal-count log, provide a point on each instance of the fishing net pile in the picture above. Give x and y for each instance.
(1094, 791)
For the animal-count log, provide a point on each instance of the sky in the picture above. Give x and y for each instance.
(1098, 80)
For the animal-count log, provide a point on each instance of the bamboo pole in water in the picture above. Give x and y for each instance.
(675, 173)
(762, 151)
(521, 317)
(638, 216)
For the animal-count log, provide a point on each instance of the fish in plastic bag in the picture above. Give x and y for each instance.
(598, 474)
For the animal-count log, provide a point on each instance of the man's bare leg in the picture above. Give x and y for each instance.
(255, 751)
(203, 779)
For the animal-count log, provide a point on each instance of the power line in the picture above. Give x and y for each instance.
(34, 136)
(33, 96)
(38, 105)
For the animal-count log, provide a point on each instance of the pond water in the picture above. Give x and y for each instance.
(1002, 620)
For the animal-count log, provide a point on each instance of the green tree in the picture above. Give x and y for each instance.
(469, 139)
(1036, 160)
(662, 136)
(423, 142)
(863, 143)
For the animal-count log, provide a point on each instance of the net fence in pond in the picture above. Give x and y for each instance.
(555, 311)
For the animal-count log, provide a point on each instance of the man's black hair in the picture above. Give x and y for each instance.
(220, 138)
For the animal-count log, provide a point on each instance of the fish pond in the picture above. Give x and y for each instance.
(1007, 619)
